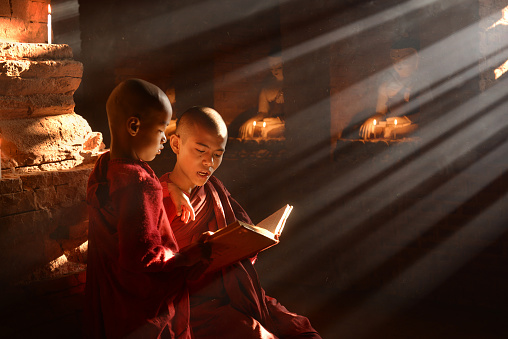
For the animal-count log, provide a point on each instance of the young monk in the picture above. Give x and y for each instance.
(136, 275)
(229, 303)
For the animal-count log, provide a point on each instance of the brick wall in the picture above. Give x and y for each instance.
(24, 20)
(43, 217)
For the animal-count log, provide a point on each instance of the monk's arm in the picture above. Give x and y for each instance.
(140, 243)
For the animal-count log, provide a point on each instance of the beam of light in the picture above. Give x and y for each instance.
(72, 38)
(452, 71)
(209, 13)
(482, 227)
(65, 10)
(384, 192)
(442, 260)
(498, 72)
(330, 38)
(65, 263)
(454, 68)
(457, 190)
(59, 262)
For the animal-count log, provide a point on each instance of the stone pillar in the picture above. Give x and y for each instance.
(39, 128)
(47, 151)
(24, 20)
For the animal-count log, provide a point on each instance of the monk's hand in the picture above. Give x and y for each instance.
(182, 203)
(368, 126)
(199, 251)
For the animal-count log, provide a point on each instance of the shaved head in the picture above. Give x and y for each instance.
(135, 98)
(205, 117)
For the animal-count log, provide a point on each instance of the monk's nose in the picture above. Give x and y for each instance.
(164, 139)
(209, 160)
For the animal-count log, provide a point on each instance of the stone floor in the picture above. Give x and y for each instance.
(362, 314)
(351, 316)
(347, 316)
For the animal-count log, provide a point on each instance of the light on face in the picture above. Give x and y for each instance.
(254, 124)
(264, 123)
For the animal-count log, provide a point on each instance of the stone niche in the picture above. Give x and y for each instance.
(47, 153)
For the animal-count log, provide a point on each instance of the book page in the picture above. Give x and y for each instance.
(237, 241)
(275, 222)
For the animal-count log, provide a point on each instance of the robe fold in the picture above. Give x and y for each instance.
(229, 303)
(132, 289)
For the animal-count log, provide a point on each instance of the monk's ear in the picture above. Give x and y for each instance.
(175, 142)
(133, 124)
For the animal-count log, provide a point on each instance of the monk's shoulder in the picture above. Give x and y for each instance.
(218, 184)
(132, 175)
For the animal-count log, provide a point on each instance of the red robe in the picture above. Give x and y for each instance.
(230, 303)
(132, 290)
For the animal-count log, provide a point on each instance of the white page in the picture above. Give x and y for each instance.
(276, 221)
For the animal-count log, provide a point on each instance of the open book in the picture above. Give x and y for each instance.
(239, 240)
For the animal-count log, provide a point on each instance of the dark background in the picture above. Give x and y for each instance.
(399, 239)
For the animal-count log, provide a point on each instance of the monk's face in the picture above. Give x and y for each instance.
(150, 138)
(277, 71)
(199, 155)
(405, 61)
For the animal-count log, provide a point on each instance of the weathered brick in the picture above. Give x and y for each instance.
(21, 9)
(14, 203)
(69, 194)
(45, 140)
(67, 218)
(31, 86)
(37, 105)
(5, 8)
(23, 244)
(41, 68)
(36, 180)
(45, 197)
(73, 175)
(37, 11)
(16, 29)
(39, 51)
(10, 185)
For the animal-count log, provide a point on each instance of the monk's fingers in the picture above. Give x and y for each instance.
(188, 214)
(178, 210)
(185, 216)
(192, 214)
(187, 206)
(362, 131)
(205, 236)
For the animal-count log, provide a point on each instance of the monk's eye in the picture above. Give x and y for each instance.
(200, 151)
(217, 155)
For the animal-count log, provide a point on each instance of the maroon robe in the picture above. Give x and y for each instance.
(132, 288)
(230, 303)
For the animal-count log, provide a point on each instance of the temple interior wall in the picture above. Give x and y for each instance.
(417, 220)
